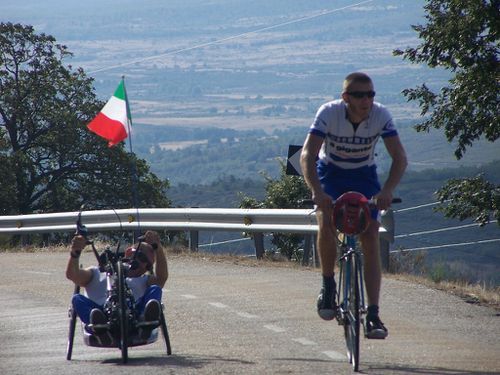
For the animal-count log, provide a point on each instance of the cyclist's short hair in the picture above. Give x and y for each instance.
(356, 77)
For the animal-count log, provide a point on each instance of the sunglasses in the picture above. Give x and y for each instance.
(361, 94)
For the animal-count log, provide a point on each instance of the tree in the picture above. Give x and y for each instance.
(462, 36)
(49, 160)
(285, 192)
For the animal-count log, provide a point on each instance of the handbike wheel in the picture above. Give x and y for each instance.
(72, 326)
(164, 330)
(123, 311)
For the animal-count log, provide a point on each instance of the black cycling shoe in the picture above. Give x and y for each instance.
(98, 321)
(327, 307)
(151, 319)
(375, 329)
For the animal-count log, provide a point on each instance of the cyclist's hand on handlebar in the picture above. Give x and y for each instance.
(383, 199)
(323, 201)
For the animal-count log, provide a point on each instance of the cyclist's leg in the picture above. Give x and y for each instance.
(326, 244)
(326, 241)
(83, 306)
(372, 267)
(375, 329)
(152, 292)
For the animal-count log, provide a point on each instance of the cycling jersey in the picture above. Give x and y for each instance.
(345, 147)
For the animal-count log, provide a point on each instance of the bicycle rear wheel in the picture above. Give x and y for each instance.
(123, 311)
(352, 313)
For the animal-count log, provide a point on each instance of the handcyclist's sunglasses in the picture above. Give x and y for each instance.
(361, 94)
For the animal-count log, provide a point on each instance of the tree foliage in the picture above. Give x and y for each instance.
(49, 160)
(463, 37)
(284, 192)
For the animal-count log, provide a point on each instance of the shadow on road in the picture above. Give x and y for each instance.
(421, 370)
(174, 361)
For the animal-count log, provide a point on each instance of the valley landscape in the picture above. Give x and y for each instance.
(219, 89)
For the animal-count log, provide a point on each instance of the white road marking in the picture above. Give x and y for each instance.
(275, 328)
(304, 341)
(39, 272)
(218, 305)
(246, 315)
(336, 356)
(188, 296)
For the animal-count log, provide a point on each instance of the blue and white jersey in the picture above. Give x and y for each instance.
(345, 147)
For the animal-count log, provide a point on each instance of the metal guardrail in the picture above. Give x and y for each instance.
(255, 221)
(199, 219)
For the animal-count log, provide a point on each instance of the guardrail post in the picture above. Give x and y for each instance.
(193, 240)
(308, 239)
(386, 238)
(315, 252)
(258, 239)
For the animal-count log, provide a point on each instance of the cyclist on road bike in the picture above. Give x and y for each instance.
(146, 285)
(338, 156)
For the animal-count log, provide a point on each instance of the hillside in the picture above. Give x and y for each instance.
(219, 89)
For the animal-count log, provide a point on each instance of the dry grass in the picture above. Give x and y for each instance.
(471, 293)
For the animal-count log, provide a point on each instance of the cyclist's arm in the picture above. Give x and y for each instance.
(160, 275)
(74, 273)
(161, 268)
(310, 151)
(398, 166)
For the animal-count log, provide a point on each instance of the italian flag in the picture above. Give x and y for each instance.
(112, 122)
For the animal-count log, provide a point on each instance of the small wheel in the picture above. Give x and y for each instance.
(123, 311)
(72, 326)
(164, 331)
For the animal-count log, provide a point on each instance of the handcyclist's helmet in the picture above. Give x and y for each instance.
(351, 213)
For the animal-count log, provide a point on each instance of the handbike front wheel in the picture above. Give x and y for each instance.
(123, 311)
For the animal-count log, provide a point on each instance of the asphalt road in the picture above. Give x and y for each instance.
(227, 318)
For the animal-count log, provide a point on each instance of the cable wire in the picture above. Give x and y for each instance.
(219, 41)
(447, 245)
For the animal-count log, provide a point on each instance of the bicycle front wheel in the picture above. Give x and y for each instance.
(123, 311)
(352, 321)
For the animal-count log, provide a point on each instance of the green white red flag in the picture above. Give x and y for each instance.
(112, 122)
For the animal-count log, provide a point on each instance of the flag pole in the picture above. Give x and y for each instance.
(135, 194)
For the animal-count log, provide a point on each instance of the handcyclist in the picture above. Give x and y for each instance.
(145, 284)
(338, 156)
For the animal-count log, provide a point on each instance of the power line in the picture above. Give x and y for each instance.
(447, 245)
(302, 19)
(420, 206)
(439, 230)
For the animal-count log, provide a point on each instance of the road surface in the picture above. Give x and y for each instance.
(228, 317)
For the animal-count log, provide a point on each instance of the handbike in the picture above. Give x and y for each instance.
(123, 325)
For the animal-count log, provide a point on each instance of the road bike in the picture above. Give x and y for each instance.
(123, 326)
(350, 294)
